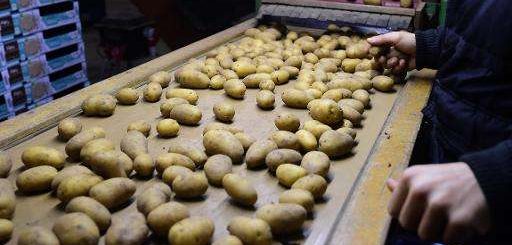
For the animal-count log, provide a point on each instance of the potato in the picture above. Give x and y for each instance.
(166, 160)
(383, 83)
(326, 111)
(355, 104)
(223, 142)
(188, 78)
(251, 231)
(37, 235)
(113, 192)
(298, 196)
(240, 189)
(5, 164)
(217, 82)
(76, 229)
(192, 231)
(143, 165)
(229, 74)
(191, 185)
(141, 126)
(221, 126)
(95, 146)
(344, 41)
(287, 121)
(313, 183)
(316, 162)
(349, 65)
(224, 111)
(167, 106)
(288, 173)
(257, 152)
(216, 167)
(75, 144)
(171, 172)
(197, 155)
(228, 240)
(7, 199)
(245, 139)
(235, 89)
(335, 144)
(292, 71)
(283, 218)
(163, 217)
(243, 68)
(186, 114)
(357, 50)
(152, 92)
(254, 80)
(92, 208)
(264, 68)
(277, 157)
(167, 128)
(362, 95)
(127, 229)
(68, 128)
(307, 140)
(36, 179)
(161, 77)
(152, 197)
(41, 155)
(349, 131)
(295, 98)
(127, 96)
(76, 185)
(316, 128)
(265, 99)
(267, 85)
(102, 105)
(6, 228)
(280, 77)
(109, 164)
(351, 114)
(186, 94)
(286, 139)
(134, 143)
(311, 58)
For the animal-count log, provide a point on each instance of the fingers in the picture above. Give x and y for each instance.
(432, 223)
(391, 184)
(400, 68)
(398, 197)
(389, 39)
(392, 62)
(412, 210)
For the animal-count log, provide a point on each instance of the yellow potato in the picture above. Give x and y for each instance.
(311, 58)
(347, 130)
(134, 143)
(326, 111)
(141, 126)
(316, 162)
(339, 54)
(92, 208)
(95, 146)
(353, 103)
(5, 164)
(295, 98)
(240, 189)
(75, 144)
(192, 231)
(292, 71)
(166, 106)
(36, 179)
(217, 82)
(277, 157)
(251, 231)
(245, 139)
(257, 152)
(265, 99)
(41, 155)
(188, 78)
(357, 50)
(6, 228)
(283, 218)
(109, 164)
(349, 65)
(143, 165)
(286, 139)
(76, 185)
(187, 94)
(211, 70)
(216, 167)
(288, 173)
(127, 96)
(186, 148)
(37, 235)
(171, 172)
(267, 85)
(186, 114)
(254, 80)
(235, 89)
(161, 77)
(335, 94)
(307, 140)
(223, 142)
(167, 128)
(224, 111)
(163, 217)
(366, 65)
(298, 196)
(287, 121)
(102, 105)
(243, 68)
(129, 228)
(335, 144)
(351, 114)
(280, 77)
(316, 128)
(113, 192)
(152, 92)
(152, 197)
(166, 160)
(7, 199)
(76, 229)
(383, 83)
(313, 183)
(68, 128)
(228, 240)
(191, 185)
(221, 126)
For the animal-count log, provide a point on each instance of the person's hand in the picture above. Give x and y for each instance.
(440, 202)
(402, 53)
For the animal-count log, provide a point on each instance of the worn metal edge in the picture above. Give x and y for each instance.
(40, 119)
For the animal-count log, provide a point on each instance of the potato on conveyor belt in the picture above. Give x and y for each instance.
(257, 153)
(152, 197)
(251, 231)
(68, 128)
(162, 162)
(163, 217)
(127, 96)
(161, 77)
(37, 235)
(223, 142)
(191, 185)
(67, 172)
(92, 208)
(76, 229)
(186, 148)
(128, 228)
(76, 185)
(41, 155)
(7, 199)
(216, 167)
(192, 231)
(75, 144)
(101, 105)
(5, 164)
(283, 218)
(113, 192)
(140, 125)
(240, 189)
(6, 228)
(134, 143)
(36, 179)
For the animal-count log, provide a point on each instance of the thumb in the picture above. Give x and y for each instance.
(389, 39)
(391, 184)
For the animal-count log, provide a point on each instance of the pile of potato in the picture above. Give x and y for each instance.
(333, 78)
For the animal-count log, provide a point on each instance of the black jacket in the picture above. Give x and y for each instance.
(470, 107)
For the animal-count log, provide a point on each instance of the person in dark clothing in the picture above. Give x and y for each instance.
(469, 114)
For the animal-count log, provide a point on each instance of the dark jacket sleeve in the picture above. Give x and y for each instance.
(428, 48)
(493, 170)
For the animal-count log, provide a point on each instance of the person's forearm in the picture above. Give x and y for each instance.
(428, 48)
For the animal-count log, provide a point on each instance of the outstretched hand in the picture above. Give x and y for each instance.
(402, 52)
